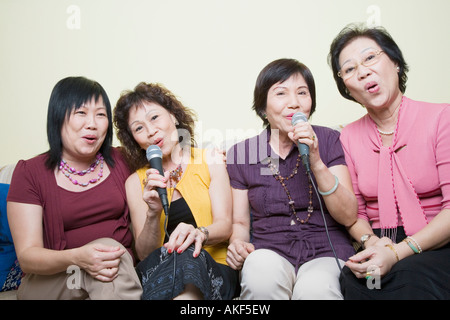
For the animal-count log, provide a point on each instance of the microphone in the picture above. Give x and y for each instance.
(302, 148)
(154, 157)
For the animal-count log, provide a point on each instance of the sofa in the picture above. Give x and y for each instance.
(10, 272)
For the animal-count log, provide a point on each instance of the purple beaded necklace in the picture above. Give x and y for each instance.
(67, 171)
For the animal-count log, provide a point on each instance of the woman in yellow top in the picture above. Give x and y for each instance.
(191, 263)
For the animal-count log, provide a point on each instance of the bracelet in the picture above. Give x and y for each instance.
(416, 248)
(205, 232)
(390, 246)
(336, 183)
(417, 244)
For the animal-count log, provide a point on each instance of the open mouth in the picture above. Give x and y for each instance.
(158, 142)
(90, 139)
(372, 87)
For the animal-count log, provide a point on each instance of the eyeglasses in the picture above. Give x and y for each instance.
(369, 59)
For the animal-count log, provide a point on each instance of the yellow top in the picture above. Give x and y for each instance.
(194, 188)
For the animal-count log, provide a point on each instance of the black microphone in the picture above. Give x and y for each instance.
(302, 148)
(154, 157)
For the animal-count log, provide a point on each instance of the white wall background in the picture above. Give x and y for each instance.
(208, 52)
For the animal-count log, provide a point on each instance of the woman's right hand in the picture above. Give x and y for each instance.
(376, 257)
(237, 252)
(150, 195)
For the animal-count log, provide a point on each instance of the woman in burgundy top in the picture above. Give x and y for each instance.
(67, 207)
(287, 254)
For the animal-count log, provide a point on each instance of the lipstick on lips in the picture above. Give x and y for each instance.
(159, 142)
(289, 117)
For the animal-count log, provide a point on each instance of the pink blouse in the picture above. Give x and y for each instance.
(408, 183)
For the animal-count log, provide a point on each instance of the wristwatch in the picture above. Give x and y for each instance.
(364, 238)
(206, 232)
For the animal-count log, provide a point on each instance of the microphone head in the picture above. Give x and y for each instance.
(298, 117)
(153, 151)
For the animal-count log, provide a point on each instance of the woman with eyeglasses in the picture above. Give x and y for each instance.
(398, 155)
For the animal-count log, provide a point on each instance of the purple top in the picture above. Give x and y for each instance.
(269, 204)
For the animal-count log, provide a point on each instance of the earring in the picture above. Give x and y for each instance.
(398, 69)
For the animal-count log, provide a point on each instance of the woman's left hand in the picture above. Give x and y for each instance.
(376, 258)
(183, 236)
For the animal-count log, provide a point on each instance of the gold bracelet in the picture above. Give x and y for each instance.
(390, 246)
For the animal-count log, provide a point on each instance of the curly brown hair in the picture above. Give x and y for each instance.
(154, 93)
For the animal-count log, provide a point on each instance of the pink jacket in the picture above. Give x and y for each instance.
(413, 173)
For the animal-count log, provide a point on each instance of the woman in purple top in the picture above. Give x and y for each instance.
(279, 237)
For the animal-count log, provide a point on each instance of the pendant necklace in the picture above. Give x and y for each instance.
(276, 174)
(175, 175)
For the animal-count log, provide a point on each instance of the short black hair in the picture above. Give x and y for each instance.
(377, 34)
(70, 94)
(279, 71)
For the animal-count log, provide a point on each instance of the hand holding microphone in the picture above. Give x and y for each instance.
(184, 234)
(154, 157)
(303, 148)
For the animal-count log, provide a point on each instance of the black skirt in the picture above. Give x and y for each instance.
(164, 276)
(424, 276)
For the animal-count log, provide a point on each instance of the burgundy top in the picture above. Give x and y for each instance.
(269, 204)
(72, 219)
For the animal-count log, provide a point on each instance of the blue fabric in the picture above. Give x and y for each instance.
(10, 272)
(5, 233)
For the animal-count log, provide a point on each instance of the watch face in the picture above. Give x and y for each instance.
(364, 238)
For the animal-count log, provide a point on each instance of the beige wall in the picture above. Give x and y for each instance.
(208, 52)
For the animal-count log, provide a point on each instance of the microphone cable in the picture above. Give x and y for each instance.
(166, 222)
(325, 222)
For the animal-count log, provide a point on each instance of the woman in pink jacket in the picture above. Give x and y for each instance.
(398, 156)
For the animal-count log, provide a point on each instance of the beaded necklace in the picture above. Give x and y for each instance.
(175, 175)
(67, 171)
(386, 133)
(276, 174)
